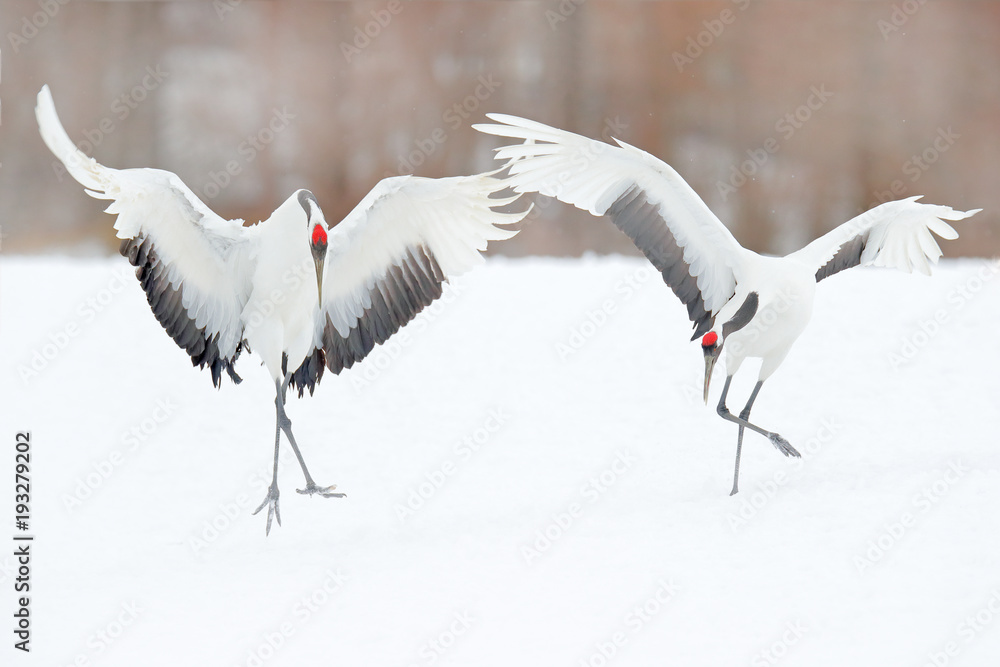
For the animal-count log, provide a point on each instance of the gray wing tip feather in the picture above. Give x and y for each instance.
(405, 290)
(166, 303)
(643, 222)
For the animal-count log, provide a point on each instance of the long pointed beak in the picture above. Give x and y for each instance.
(710, 360)
(320, 261)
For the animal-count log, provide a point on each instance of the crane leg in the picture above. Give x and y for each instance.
(780, 443)
(271, 499)
(285, 424)
(744, 415)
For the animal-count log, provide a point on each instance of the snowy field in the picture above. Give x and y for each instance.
(532, 479)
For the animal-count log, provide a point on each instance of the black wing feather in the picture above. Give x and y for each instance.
(848, 256)
(742, 317)
(404, 290)
(166, 302)
(642, 221)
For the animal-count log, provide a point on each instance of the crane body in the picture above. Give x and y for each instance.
(748, 304)
(304, 295)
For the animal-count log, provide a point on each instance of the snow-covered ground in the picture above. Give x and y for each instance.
(532, 479)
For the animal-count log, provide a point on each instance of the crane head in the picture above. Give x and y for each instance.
(316, 225)
(318, 247)
(711, 346)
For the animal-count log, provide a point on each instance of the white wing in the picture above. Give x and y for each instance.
(896, 234)
(191, 263)
(642, 195)
(389, 257)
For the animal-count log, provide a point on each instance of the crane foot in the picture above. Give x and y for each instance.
(324, 491)
(271, 500)
(783, 445)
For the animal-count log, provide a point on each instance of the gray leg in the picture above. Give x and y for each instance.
(782, 445)
(285, 424)
(271, 499)
(745, 415)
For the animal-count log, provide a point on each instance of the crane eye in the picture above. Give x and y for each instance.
(710, 339)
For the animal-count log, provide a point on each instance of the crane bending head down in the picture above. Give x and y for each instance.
(317, 238)
(753, 305)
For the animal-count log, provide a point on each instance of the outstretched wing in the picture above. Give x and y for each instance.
(896, 234)
(643, 196)
(191, 263)
(389, 258)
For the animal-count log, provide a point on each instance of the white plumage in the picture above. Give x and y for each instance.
(300, 293)
(593, 175)
(451, 218)
(897, 235)
(753, 305)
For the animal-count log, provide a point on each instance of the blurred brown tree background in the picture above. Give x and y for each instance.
(787, 117)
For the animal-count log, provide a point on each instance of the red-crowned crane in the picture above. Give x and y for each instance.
(303, 294)
(753, 305)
